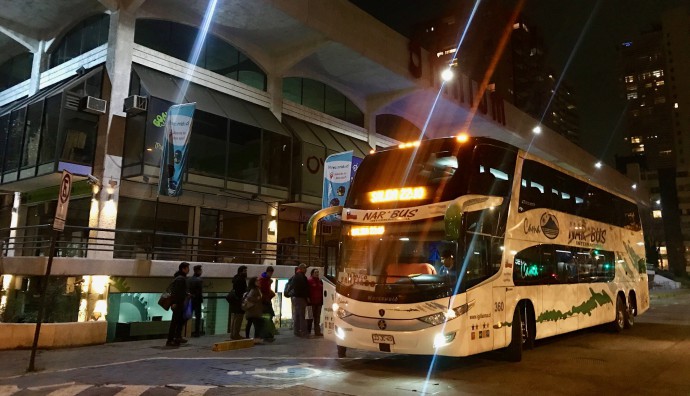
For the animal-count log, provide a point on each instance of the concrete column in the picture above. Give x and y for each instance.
(275, 91)
(370, 126)
(108, 159)
(40, 59)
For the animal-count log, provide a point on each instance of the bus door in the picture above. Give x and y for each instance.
(332, 250)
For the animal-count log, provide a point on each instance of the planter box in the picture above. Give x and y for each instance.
(53, 335)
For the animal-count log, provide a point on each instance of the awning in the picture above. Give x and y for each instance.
(166, 87)
(301, 130)
(52, 90)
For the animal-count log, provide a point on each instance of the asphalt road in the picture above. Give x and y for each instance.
(650, 359)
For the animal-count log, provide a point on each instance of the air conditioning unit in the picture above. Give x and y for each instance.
(93, 105)
(135, 104)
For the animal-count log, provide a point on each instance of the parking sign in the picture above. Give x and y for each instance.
(63, 201)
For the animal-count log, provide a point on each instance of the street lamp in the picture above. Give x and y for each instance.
(447, 74)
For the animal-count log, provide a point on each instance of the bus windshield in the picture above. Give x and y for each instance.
(396, 262)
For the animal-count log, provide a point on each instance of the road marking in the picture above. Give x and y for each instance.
(6, 390)
(69, 391)
(282, 370)
(191, 390)
(129, 390)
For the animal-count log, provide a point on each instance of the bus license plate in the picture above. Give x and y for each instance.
(382, 339)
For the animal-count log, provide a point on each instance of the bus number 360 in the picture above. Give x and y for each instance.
(499, 306)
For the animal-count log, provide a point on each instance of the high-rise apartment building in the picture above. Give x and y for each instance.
(655, 69)
(514, 66)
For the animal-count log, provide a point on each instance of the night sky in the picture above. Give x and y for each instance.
(580, 38)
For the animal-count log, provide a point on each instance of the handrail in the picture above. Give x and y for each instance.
(75, 241)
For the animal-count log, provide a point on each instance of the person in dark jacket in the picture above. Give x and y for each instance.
(239, 287)
(195, 284)
(315, 302)
(256, 310)
(300, 301)
(178, 291)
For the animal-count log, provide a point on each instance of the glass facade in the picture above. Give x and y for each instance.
(222, 150)
(177, 40)
(87, 35)
(46, 129)
(320, 97)
(16, 70)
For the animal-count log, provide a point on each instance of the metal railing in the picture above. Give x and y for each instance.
(32, 241)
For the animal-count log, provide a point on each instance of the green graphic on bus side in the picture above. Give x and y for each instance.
(587, 307)
(636, 259)
(596, 300)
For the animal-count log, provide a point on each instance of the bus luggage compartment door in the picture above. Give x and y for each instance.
(499, 317)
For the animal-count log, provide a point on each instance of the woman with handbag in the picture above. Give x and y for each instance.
(234, 298)
(253, 308)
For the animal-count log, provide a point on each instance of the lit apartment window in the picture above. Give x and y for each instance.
(660, 99)
(660, 83)
(631, 87)
(658, 73)
(638, 149)
(656, 214)
(648, 85)
(635, 140)
(629, 79)
(675, 105)
(632, 95)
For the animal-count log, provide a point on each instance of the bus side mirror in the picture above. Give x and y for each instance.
(314, 219)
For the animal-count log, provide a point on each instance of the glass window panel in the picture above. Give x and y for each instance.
(207, 145)
(14, 140)
(312, 94)
(253, 79)
(184, 37)
(4, 125)
(221, 58)
(353, 114)
(311, 169)
(155, 125)
(133, 153)
(80, 130)
(50, 129)
(32, 136)
(243, 152)
(334, 103)
(276, 158)
(292, 89)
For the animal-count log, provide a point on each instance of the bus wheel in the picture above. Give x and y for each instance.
(529, 327)
(342, 351)
(514, 349)
(619, 322)
(630, 313)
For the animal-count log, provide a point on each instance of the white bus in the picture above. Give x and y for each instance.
(458, 246)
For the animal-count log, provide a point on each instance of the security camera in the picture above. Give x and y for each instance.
(93, 180)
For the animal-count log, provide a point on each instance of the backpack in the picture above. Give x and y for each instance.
(289, 290)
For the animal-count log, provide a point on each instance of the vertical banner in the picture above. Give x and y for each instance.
(337, 170)
(178, 127)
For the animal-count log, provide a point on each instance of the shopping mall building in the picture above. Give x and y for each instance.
(278, 86)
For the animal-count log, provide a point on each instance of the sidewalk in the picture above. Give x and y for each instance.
(14, 363)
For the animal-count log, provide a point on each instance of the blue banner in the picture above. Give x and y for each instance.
(337, 173)
(178, 128)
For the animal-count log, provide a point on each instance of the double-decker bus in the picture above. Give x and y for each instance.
(461, 245)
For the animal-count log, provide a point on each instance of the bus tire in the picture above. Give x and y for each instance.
(630, 312)
(342, 351)
(530, 326)
(514, 350)
(619, 321)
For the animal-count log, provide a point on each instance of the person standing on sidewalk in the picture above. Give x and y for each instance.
(315, 302)
(195, 285)
(300, 300)
(178, 291)
(239, 287)
(267, 294)
(254, 309)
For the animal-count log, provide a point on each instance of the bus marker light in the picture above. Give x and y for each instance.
(339, 333)
(367, 230)
(397, 194)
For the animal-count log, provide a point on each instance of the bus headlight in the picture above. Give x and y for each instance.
(435, 319)
(442, 317)
(342, 313)
(443, 339)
